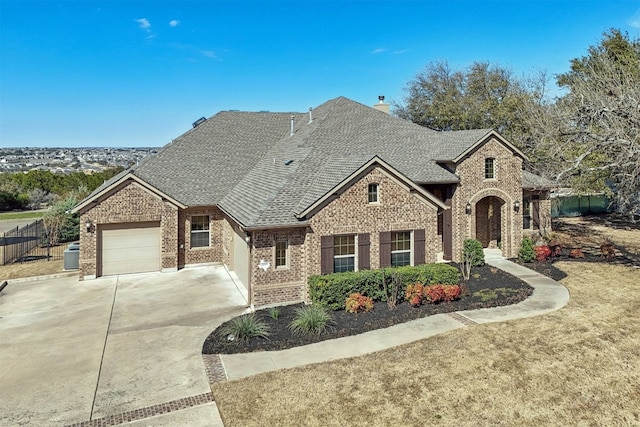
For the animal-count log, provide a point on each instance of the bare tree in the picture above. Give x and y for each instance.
(590, 137)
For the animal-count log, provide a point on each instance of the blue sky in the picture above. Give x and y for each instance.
(138, 73)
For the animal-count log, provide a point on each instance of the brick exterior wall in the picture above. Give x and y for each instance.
(349, 213)
(213, 253)
(128, 203)
(282, 284)
(505, 189)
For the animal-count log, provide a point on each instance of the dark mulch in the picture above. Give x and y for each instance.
(346, 324)
(591, 255)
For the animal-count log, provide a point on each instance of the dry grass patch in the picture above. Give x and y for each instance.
(588, 232)
(30, 269)
(577, 366)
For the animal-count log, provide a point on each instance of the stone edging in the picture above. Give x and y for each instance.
(149, 411)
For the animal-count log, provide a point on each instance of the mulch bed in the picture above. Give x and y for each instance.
(346, 324)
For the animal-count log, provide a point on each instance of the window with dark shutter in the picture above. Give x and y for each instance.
(385, 249)
(364, 252)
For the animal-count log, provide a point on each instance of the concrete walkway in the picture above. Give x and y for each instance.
(548, 296)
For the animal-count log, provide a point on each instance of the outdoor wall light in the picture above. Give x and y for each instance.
(516, 206)
(247, 238)
(467, 209)
(89, 226)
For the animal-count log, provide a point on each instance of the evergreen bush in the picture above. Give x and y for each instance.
(331, 290)
(527, 253)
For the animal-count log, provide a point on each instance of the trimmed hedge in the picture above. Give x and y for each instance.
(331, 290)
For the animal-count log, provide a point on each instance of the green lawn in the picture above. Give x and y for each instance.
(21, 215)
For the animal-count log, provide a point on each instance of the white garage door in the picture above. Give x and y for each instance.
(130, 248)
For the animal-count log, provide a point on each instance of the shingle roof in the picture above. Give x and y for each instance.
(343, 136)
(533, 181)
(250, 165)
(201, 166)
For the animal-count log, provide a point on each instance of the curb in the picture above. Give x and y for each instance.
(39, 278)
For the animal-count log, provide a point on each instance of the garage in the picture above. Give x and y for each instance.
(130, 248)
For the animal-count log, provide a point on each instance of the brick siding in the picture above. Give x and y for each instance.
(473, 188)
(128, 203)
(213, 253)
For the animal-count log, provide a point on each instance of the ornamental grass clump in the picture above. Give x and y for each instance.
(245, 327)
(274, 312)
(312, 319)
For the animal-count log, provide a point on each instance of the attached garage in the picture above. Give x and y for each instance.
(130, 248)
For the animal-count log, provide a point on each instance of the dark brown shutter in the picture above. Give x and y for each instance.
(535, 208)
(418, 247)
(385, 249)
(364, 252)
(326, 254)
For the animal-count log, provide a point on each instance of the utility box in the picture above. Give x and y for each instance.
(72, 257)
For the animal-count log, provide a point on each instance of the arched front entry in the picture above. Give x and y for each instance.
(489, 211)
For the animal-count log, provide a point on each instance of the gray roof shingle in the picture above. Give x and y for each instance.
(250, 165)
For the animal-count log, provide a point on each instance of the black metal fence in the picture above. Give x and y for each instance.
(27, 244)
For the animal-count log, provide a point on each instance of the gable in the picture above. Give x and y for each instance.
(491, 136)
(128, 202)
(355, 189)
(122, 181)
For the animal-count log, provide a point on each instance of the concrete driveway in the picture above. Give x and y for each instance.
(126, 347)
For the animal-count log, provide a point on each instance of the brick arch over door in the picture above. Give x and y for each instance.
(481, 202)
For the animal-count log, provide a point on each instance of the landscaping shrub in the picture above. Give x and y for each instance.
(245, 327)
(331, 290)
(434, 294)
(555, 247)
(414, 293)
(607, 249)
(392, 286)
(357, 303)
(576, 253)
(473, 251)
(542, 253)
(527, 253)
(311, 319)
(439, 293)
(428, 274)
(452, 292)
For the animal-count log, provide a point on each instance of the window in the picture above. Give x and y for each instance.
(489, 168)
(282, 247)
(344, 253)
(200, 231)
(400, 248)
(373, 193)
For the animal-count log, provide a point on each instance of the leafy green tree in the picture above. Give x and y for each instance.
(481, 96)
(61, 225)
